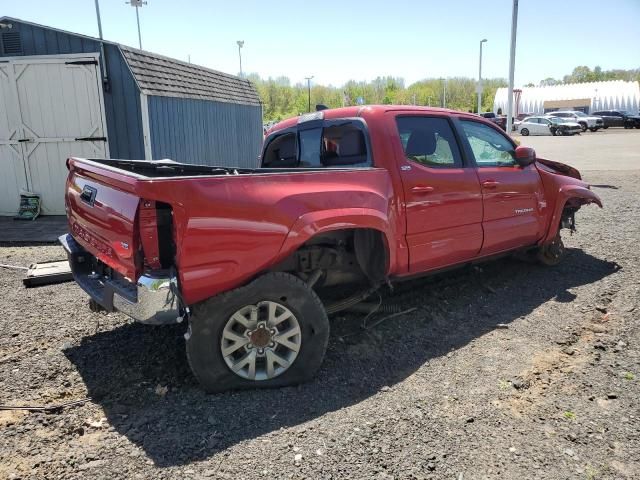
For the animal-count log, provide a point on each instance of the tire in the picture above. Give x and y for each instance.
(583, 126)
(605, 127)
(212, 320)
(553, 253)
(593, 129)
(524, 132)
(555, 132)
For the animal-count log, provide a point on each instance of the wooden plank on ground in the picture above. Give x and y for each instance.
(47, 273)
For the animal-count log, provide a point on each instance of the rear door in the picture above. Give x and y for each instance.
(512, 196)
(443, 202)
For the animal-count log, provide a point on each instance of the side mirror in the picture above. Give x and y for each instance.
(524, 156)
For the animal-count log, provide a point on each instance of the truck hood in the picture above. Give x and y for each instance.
(558, 168)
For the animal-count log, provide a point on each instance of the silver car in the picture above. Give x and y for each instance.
(584, 120)
(543, 125)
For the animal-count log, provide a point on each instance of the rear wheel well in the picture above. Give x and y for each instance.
(337, 257)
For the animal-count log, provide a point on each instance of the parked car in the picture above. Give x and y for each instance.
(352, 198)
(539, 125)
(522, 116)
(618, 118)
(585, 121)
(499, 120)
(562, 126)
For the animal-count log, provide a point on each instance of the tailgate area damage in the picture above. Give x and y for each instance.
(152, 299)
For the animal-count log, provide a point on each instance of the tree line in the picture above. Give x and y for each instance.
(584, 74)
(281, 99)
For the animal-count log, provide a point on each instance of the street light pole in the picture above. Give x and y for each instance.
(308, 79)
(480, 77)
(240, 45)
(512, 65)
(138, 4)
(99, 21)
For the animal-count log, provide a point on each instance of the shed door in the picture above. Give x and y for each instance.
(12, 173)
(60, 114)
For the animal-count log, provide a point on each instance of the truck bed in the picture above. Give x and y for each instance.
(171, 169)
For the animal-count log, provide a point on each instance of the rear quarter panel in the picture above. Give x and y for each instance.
(230, 229)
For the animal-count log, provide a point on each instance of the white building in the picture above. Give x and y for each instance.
(587, 97)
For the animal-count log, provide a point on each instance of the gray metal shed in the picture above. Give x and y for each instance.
(69, 94)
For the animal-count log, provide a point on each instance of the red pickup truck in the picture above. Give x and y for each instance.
(345, 200)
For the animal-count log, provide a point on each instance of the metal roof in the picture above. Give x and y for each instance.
(168, 77)
(164, 76)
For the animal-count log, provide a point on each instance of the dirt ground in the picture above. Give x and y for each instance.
(505, 371)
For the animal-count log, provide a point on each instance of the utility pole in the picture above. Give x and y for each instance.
(308, 79)
(240, 45)
(138, 4)
(444, 93)
(512, 66)
(480, 77)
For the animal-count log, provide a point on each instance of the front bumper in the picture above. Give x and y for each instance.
(151, 300)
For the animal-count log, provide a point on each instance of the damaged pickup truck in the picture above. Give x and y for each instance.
(345, 200)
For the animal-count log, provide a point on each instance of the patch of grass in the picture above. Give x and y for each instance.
(504, 385)
(629, 376)
(569, 415)
(592, 473)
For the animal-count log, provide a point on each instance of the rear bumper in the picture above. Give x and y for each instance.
(151, 300)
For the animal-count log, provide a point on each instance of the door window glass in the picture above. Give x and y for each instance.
(344, 145)
(429, 141)
(490, 147)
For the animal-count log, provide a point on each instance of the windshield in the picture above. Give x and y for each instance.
(557, 120)
(623, 112)
(579, 114)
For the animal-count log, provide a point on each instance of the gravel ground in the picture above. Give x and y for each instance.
(509, 370)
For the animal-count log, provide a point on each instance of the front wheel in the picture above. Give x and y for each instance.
(583, 126)
(552, 253)
(270, 333)
(555, 132)
(524, 132)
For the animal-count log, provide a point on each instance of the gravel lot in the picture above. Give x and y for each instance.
(510, 370)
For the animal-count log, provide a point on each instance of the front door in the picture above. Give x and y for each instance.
(513, 196)
(443, 202)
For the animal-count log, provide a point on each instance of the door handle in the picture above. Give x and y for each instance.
(422, 189)
(490, 184)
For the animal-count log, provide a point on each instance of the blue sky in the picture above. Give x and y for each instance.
(340, 40)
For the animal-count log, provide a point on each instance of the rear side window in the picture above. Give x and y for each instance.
(338, 143)
(281, 152)
(429, 141)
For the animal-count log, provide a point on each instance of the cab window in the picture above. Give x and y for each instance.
(490, 148)
(336, 143)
